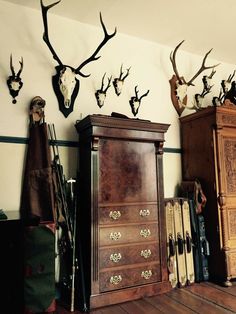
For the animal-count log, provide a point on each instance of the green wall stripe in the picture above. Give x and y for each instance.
(25, 140)
(172, 150)
(13, 139)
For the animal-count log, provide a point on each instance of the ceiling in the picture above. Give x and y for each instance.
(203, 24)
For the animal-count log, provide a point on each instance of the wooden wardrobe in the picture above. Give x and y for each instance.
(209, 154)
(121, 221)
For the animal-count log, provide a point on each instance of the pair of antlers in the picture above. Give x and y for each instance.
(101, 90)
(93, 57)
(13, 70)
(136, 98)
(201, 69)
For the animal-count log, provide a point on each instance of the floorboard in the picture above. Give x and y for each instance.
(168, 306)
(202, 298)
(214, 295)
(195, 302)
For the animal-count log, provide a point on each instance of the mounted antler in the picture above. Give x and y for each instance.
(14, 81)
(172, 59)
(206, 90)
(135, 102)
(118, 82)
(66, 81)
(178, 83)
(45, 34)
(225, 88)
(94, 56)
(226, 84)
(102, 93)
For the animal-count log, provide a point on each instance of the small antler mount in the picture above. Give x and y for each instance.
(14, 81)
(118, 82)
(135, 101)
(101, 93)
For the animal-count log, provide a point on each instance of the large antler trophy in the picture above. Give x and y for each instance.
(178, 83)
(66, 81)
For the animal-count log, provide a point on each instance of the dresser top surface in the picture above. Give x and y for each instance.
(120, 123)
(210, 111)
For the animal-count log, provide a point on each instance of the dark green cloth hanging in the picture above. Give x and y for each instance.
(39, 282)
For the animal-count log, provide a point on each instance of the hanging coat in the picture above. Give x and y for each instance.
(37, 213)
(37, 198)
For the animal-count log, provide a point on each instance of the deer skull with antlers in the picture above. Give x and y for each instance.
(118, 82)
(178, 83)
(66, 81)
(14, 81)
(135, 101)
(102, 93)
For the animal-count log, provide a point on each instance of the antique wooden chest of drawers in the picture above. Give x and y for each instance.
(209, 154)
(121, 220)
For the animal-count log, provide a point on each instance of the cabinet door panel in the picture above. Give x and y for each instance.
(229, 164)
(227, 185)
(127, 171)
(231, 260)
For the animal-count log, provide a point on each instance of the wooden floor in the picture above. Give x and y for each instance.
(204, 298)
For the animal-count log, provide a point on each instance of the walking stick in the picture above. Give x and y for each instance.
(77, 263)
(71, 183)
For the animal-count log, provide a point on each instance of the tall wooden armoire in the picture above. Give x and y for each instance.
(121, 221)
(209, 154)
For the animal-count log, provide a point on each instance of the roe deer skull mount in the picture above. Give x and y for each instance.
(118, 82)
(66, 81)
(135, 102)
(226, 84)
(198, 98)
(14, 81)
(178, 83)
(225, 87)
(102, 92)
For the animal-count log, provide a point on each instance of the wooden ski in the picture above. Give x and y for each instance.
(188, 252)
(171, 243)
(179, 236)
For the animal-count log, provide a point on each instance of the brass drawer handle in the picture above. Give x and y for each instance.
(144, 212)
(115, 214)
(145, 233)
(146, 253)
(115, 280)
(115, 257)
(146, 274)
(115, 236)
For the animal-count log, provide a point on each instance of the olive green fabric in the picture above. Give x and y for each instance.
(39, 282)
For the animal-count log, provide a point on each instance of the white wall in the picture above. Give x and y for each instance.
(74, 42)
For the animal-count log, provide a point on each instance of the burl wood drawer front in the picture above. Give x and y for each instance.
(132, 213)
(128, 234)
(129, 277)
(124, 255)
